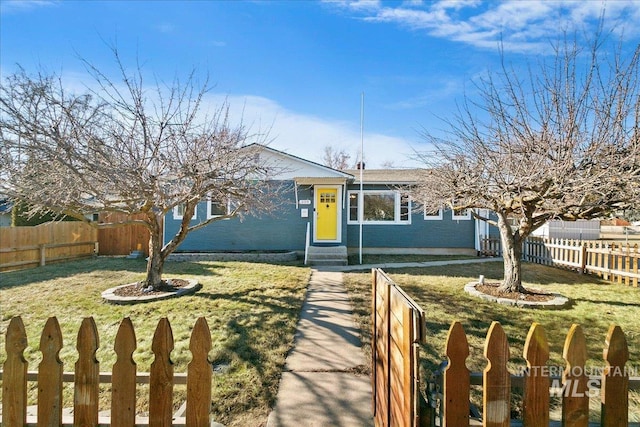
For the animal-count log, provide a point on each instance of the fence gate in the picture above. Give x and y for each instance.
(398, 328)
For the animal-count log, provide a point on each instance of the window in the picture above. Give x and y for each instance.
(178, 212)
(353, 207)
(380, 207)
(432, 214)
(215, 208)
(328, 197)
(461, 214)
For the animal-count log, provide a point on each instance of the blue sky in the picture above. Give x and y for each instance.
(300, 67)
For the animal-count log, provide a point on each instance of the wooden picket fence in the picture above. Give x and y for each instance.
(25, 247)
(576, 388)
(87, 378)
(398, 329)
(613, 261)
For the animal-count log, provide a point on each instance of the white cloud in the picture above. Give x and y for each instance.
(522, 26)
(295, 133)
(165, 27)
(306, 135)
(15, 6)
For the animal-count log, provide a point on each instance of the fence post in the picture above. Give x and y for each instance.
(536, 386)
(575, 403)
(87, 375)
(14, 383)
(615, 379)
(42, 255)
(496, 379)
(50, 375)
(634, 268)
(583, 258)
(374, 330)
(161, 376)
(199, 373)
(123, 380)
(456, 378)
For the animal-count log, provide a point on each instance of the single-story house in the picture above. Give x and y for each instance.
(323, 211)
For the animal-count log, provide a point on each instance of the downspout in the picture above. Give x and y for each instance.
(477, 234)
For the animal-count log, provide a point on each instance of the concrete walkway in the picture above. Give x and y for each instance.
(322, 383)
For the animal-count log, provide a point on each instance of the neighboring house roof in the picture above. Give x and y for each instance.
(386, 176)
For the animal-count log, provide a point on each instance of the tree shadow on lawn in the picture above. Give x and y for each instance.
(11, 279)
(258, 341)
(445, 304)
(533, 274)
(255, 297)
(608, 303)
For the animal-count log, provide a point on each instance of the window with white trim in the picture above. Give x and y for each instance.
(432, 214)
(178, 212)
(380, 207)
(461, 214)
(216, 208)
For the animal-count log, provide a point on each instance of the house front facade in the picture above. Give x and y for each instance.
(324, 207)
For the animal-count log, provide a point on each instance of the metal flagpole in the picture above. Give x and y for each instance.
(361, 195)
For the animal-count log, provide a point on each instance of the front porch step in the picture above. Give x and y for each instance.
(327, 255)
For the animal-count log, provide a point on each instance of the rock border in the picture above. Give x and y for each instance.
(110, 296)
(558, 302)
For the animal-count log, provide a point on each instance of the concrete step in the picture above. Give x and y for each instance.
(328, 262)
(327, 255)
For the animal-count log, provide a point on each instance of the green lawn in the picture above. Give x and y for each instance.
(439, 291)
(251, 309)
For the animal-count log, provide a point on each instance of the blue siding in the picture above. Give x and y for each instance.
(420, 234)
(282, 230)
(285, 230)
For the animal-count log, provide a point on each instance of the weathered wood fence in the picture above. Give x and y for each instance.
(23, 247)
(613, 261)
(122, 240)
(87, 378)
(575, 386)
(398, 329)
(398, 325)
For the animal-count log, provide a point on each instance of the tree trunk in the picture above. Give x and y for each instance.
(155, 263)
(512, 256)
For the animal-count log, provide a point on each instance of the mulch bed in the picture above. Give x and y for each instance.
(137, 290)
(528, 295)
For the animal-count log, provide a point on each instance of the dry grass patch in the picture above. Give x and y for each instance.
(251, 308)
(439, 291)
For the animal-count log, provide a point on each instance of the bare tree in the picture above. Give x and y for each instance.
(335, 158)
(559, 142)
(123, 147)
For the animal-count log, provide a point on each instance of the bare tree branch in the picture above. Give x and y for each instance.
(558, 142)
(125, 147)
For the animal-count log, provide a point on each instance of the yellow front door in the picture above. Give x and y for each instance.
(326, 213)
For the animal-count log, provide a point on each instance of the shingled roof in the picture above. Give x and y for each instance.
(386, 176)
